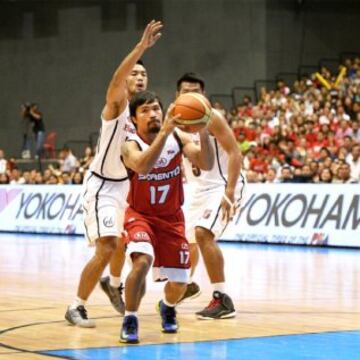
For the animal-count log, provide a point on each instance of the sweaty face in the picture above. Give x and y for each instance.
(187, 87)
(149, 118)
(137, 80)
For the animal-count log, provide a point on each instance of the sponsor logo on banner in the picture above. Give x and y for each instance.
(7, 196)
(41, 209)
(299, 214)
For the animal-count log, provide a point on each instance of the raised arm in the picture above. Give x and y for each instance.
(201, 156)
(116, 96)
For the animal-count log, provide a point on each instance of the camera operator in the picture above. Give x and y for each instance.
(26, 126)
(38, 129)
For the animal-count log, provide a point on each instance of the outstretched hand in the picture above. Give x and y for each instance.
(151, 34)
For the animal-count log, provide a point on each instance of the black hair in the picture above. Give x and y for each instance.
(141, 98)
(191, 77)
(140, 62)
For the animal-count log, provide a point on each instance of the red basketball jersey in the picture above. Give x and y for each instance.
(160, 192)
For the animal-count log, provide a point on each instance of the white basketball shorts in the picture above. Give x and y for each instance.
(204, 210)
(104, 204)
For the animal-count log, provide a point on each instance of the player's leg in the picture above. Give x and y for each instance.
(221, 306)
(76, 313)
(191, 214)
(212, 255)
(134, 285)
(172, 262)
(140, 250)
(192, 289)
(209, 226)
(112, 285)
(102, 226)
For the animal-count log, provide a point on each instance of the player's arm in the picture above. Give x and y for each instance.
(219, 127)
(201, 156)
(143, 161)
(116, 96)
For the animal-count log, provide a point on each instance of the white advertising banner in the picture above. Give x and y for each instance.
(52, 209)
(271, 213)
(299, 214)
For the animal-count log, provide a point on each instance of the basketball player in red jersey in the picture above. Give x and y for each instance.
(106, 185)
(216, 197)
(154, 220)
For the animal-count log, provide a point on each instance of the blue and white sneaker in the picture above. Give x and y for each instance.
(168, 318)
(129, 330)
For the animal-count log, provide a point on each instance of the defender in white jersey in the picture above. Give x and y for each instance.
(216, 197)
(106, 184)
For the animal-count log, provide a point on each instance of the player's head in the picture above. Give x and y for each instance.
(137, 80)
(146, 112)
(190, 82)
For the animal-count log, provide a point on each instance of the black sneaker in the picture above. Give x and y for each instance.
(114, 294)
(192, 291)
(129, 330)
(78, 316)
(220, 307)
(168, 318)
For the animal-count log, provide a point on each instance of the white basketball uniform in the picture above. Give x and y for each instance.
(106, 184)
(208, 187)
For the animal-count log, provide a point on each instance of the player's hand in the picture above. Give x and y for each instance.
(170, 123)
(151, 34)
(228, 208)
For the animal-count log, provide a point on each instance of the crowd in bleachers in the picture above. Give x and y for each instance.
(306, 133)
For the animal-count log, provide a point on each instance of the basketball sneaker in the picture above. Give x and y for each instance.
(168, 318)
(192, 291)
(129, 330)
(220, 307)
(78, 317)
(114, 294)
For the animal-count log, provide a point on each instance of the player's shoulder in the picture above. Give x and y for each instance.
(217, 120)
(111, 114)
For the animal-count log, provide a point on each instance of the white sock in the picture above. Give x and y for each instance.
(115, 281)
(190, 280)
(77, 302)
(168, 304)
(133, 313)
(219, 287)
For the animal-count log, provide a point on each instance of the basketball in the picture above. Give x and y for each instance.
(195, 111)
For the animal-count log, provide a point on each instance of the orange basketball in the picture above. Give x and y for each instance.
(194, 110)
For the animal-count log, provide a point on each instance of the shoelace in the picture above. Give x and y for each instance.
(82, 312)
(213, 303)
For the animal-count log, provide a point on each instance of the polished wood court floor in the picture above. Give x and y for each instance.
(277, 290)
